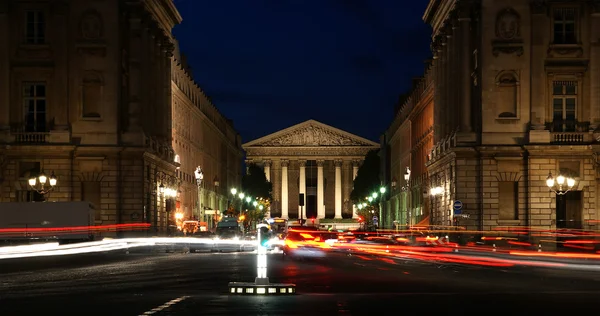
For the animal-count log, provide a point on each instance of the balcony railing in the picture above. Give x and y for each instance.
(31, 138)
(571, 138)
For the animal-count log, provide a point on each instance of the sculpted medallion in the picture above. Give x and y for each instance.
(508, 24)
(90, 25)
(508, 33)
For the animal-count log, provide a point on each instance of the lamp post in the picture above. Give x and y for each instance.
(381, 194)
(42, 184)
(558, 185)
(199, 177)
(217, 183)
(408, 196)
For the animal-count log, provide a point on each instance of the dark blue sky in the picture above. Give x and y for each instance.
(270, 64)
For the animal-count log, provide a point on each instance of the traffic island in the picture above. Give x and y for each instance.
(249, 288)
(261, 285)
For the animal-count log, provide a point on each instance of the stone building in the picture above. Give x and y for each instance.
(406, 144)
(86, 94)
(202, 137)
(311, 158)
(517, 98)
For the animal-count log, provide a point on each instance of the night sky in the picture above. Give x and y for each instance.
(270, 64)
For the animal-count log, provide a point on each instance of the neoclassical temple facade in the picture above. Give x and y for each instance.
(313, 159)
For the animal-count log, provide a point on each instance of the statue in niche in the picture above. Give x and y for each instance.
(90, 25)
(508, 24)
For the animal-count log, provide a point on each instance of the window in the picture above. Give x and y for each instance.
(564, 103)
(34, 107)
(564, 26)
(508, 193)
(35, 27)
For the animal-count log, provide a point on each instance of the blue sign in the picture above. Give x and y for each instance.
(457, 205)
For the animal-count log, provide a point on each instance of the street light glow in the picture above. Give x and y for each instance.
(233, 191)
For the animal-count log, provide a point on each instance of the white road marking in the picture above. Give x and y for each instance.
(164, 306)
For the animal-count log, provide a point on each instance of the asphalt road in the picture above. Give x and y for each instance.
(196, 284)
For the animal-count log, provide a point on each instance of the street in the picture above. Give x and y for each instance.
(196, 284)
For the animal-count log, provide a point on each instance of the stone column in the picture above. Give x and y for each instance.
(355, 164)
(338, 189)
(276, 182)
(320, 187)
(302, 187)
(284, 189)
(5, 69)
(247, 162)
(267, 166)
(347, 188)
(465, 76)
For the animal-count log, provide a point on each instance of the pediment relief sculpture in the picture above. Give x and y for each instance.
(508, 33)
(313, 136)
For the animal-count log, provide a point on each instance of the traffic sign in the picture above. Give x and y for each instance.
(458, 205)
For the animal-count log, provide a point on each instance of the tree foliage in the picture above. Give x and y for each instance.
(255, 184)
(367, 179)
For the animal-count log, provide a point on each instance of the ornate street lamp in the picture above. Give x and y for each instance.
(408, 195)
(381, 193)
(42, 184)
(558, 185)
(199, 177)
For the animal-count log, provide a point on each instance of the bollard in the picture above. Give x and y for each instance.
(494, 247)
(540, 247)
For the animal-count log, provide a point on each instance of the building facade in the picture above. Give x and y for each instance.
(313, 159)
(86, 94)
(517, 99)
(202, 138)
(408, 141)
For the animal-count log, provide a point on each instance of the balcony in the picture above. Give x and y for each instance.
(31, 137)
(562, 132)
(571, 138)
(35, 138)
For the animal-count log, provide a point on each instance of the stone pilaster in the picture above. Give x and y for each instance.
(465, 71)
(4, 68)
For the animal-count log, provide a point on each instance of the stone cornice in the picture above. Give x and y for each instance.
(165, 13)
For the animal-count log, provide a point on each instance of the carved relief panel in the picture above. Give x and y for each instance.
(508, 33)
(91, 34)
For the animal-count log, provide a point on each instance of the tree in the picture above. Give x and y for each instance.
(255, 184)
(367, 179)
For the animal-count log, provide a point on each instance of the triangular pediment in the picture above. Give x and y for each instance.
(308, 134)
